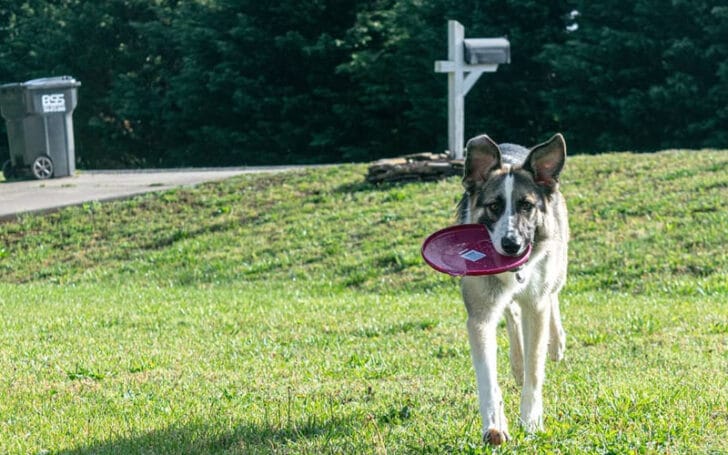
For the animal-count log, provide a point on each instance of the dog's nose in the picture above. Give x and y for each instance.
(509, 246)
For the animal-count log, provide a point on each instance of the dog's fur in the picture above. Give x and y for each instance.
(514, 192)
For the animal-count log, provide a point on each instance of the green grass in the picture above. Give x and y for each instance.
(291, 313)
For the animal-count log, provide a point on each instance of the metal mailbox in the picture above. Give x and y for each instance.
(480, 51)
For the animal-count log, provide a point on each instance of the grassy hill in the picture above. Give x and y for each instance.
(292, 313)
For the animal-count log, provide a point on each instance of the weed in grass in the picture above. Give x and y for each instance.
(81, 372)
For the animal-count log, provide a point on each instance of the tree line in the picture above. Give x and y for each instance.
(238, 82)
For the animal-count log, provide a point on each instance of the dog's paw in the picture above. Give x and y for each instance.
(532, 423)
(495, 437)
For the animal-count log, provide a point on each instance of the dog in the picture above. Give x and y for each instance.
(514, 192)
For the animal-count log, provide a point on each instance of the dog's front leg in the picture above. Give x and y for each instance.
(483, 349)
(535, 333)
(515, 335)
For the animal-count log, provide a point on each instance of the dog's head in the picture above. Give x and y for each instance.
(510, 200)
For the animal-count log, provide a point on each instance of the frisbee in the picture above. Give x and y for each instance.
(466, 249)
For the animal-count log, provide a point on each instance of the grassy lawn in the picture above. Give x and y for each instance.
(291, 313)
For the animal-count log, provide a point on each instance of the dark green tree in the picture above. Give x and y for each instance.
(239, 82)
(401, 103)
(231, 82)
(640, 75)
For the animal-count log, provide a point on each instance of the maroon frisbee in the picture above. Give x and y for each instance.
(466, 249)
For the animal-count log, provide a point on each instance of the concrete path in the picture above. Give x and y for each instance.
(33, 196)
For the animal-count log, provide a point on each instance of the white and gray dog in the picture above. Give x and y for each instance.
(514, 193)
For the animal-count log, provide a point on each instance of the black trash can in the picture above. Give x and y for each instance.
(39, 119)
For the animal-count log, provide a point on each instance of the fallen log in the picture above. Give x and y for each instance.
(415, 167)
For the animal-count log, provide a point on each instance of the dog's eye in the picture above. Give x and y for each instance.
(494, 206)
(525, 206)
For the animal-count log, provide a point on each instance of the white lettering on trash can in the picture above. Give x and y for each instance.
(55, 102)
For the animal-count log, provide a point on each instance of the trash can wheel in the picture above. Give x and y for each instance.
(8, 170)
(42, 167)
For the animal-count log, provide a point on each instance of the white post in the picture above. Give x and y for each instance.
(455, 92)
(460, 79)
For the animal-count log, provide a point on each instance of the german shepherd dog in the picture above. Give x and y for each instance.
(514, 192)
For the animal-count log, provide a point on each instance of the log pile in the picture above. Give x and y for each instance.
(415, 167)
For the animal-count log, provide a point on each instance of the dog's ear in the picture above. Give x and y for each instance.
(482, 156)
(545, 162)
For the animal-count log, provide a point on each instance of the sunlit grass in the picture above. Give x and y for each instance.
(291, 313)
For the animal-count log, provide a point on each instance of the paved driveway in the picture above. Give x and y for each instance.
(29, 196)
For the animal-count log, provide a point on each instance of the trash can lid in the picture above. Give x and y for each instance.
(11, 85)
(52, 82)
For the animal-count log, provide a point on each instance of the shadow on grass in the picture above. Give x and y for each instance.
(205, 439)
